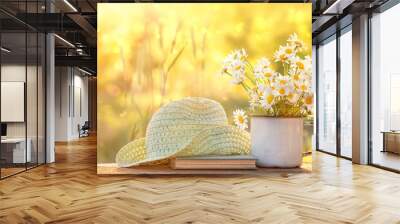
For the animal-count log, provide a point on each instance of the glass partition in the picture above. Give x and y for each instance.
(22, 77)
(327, 96)
(385, 89)
(14, 153)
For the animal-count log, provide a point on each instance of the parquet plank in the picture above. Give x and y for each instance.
(70, 191)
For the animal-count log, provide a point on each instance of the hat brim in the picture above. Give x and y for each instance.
(213, 140)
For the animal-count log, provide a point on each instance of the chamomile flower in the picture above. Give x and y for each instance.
(268, 74)
(308, 65)
(267, 99)
(300, 65)
(237, 78)
(293, 97)
(261, 87)
(262, 69)
(289, 50)
(226, 64)
(240, 119)
(236, 55)
(308, 100)
(285, 53)
(286, 93)
(283, 86)
(240, 54)
(281, 91)
(304, 86)
(282, 80)
(237, 70)
(254, 100)
(296, 76)
(235, 66)
(280, 55)
(295, 41)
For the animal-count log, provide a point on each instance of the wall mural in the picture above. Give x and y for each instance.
(158, 63)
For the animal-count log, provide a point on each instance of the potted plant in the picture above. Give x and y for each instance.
(280, 97)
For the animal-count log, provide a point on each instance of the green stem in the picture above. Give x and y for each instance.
(284, 68)
(251, 80)
(252, 71)
(251, 66)
(246, 88)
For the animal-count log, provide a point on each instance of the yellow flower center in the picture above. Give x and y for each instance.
(268, 74)
(269, 99)
(288, 51)
(300, 65)
(308, 100)
(282, 57)
(241, 119)
(238, 67)
(296, 77)
(282, 91)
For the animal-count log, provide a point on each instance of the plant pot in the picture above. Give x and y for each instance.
(277, 141)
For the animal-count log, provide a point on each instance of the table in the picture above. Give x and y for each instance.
(16, 147)
(391, 141)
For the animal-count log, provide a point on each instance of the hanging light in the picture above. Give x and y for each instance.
(84, 71)
(70, 5)
(5, 50)
(64, 40)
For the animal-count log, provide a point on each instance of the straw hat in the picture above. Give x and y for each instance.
(192, 126)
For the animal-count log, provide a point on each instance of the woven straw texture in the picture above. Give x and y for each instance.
(133, 153)
(187, 127)
(173, 127)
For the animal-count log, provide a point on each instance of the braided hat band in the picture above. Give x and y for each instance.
(192, 126)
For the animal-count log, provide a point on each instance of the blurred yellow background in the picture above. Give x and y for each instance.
(150, 54)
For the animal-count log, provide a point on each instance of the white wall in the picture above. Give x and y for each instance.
(13, 73)
(62, 81)
(71, 103)
(81, 103)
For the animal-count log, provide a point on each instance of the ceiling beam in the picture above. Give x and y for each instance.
(320, 23)
(78, 61)
(338, 6)
(84, 24)
(49, 22)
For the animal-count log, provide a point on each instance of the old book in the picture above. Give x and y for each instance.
(214, 162)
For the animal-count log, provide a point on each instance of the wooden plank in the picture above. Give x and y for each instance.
(70, 191)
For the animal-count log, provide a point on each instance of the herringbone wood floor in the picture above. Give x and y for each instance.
(69, 191)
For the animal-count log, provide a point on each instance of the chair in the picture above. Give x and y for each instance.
(84, 130)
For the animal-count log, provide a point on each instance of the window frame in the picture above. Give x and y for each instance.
(334, 37)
